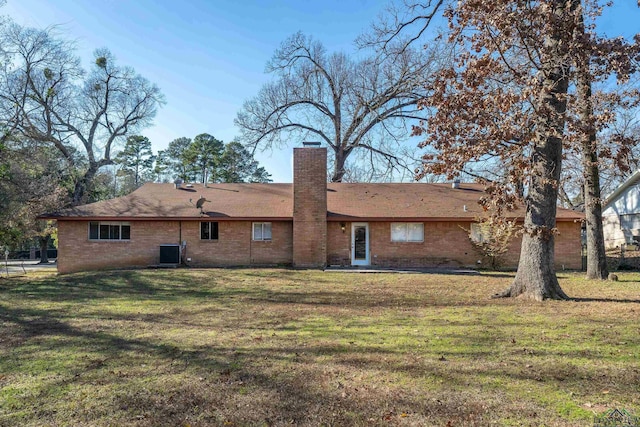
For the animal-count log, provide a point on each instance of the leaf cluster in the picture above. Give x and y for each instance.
(491, 237)
(36, 181)
(487, 107)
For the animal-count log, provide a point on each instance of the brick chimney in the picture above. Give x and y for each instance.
(310, 206)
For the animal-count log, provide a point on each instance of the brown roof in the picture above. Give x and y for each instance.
(160, 201)
(345, 201)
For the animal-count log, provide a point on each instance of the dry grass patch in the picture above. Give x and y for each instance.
(281, 347)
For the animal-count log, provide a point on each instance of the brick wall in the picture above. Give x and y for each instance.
(446, 244)
(77, 253)
(338, 244)
(568, 249)
(234, 246)
(309, 207)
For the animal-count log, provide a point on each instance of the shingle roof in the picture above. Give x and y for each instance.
(159, 201)
(345, 201)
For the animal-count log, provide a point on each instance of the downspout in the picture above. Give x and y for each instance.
(182, 245)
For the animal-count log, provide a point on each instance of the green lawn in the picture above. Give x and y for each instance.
(282, 347)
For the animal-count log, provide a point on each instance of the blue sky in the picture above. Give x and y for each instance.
(208, 57)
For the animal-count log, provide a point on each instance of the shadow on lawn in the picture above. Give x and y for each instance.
(298, 289)
(289, 381)
(116, 284)
(226, 383)
(238, 385)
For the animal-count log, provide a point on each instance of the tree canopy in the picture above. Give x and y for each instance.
(46, 96)
(136, 162)
(36, 181)
(347, 104)
(238, 165)
(207, 159)
(509, 98)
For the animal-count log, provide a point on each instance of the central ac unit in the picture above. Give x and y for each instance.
(169, 254)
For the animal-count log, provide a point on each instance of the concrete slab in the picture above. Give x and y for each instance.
(374, 270)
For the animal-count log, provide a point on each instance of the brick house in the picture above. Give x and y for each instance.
(310, 223)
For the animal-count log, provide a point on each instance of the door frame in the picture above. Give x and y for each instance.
(367, 260)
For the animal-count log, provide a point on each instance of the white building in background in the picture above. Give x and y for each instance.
(621, 214)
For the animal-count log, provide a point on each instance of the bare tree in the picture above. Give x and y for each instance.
(47, 97)
(403, 25)
(347, 104)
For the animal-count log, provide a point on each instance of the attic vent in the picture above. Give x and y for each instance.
(311, 143)
(189, 185)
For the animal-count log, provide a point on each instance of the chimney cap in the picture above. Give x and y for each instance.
(311, 143)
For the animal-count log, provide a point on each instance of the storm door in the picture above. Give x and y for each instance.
(360, 243)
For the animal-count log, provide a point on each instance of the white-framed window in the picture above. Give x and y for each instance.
(261, 231)
(208, 231)
(109, 230)
(478, 233)
(407, 232)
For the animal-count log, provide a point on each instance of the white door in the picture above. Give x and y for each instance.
(360, 243)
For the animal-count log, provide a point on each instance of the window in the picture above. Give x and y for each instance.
(478, 233)
(208, 231)
(630, 221)
(261, 231)
(407, 232)
(100, 230)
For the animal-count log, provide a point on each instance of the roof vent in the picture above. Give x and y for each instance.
(311, 143)
(178, 182)
(455, 183)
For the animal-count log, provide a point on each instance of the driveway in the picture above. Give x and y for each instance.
(13, 267)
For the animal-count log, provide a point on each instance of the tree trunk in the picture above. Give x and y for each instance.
(536, 278)
(596, 255)
(44, 245)
(83, 185)
(338, 166)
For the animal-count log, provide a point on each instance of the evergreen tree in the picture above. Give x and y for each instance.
(173, 160)
(238, 165)
(204, 155)
(136, 162)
